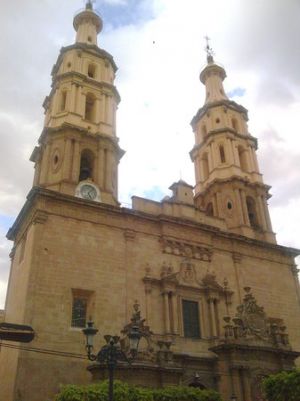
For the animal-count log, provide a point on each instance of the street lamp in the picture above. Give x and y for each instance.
(111, 353)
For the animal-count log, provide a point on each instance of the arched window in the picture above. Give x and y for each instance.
(92, 70)
(63, 101)
(243, 158)
(222, 154)
(204, 165)
(251, 208)
(234, 124)
(210, 209)
(90, 107)
(86, 165)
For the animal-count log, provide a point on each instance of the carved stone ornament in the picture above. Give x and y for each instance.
(251, 322)
(185, 249)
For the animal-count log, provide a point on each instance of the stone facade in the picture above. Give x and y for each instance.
(73, 241)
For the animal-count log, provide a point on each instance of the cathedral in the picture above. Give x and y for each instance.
(218, 298)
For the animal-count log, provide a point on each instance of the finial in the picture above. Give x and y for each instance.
(89, 5)
(209, 50)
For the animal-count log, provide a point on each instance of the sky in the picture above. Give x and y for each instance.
(158, 46)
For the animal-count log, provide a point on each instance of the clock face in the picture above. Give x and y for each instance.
(88, 192)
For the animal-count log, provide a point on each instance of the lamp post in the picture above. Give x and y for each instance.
(111, 353)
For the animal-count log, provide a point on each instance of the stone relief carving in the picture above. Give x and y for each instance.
(185, 249)
(251, 322)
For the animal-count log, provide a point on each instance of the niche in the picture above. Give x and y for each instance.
(222, 154)
(251, 209)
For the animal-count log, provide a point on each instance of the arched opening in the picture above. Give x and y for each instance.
(204, 163)
(251, 209)
(243, 158)
(63, 100)
(222, 154)
(234, 124)
(92, 70)
(210, 209)
(86, 165)
(90, 107)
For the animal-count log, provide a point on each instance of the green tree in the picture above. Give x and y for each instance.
(283, 386)
(126, 392)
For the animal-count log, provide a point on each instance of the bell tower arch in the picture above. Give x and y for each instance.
(79, 141)
(229, 184)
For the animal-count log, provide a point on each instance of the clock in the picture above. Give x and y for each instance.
(88, 191)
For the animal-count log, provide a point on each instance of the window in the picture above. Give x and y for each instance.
(91, 70)
(234, 124)
(86, 165)
(63, 100)
(210, 209)
(251, 208)
(204, 165)
(243, 158)
(90, 107)
(79, 311)
(82, 307)
(222, 154)
(190, 312)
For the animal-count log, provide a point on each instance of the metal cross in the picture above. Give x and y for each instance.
(208, 49)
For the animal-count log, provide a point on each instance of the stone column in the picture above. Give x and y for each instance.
(97, 110)
(108, 170)
(261, 213)
(212, 317)
(230, 151)
(267, 214)
(45, 164)
(76, 162)
(244, 207)
(81, 103)
(101, 167)
(72, 102)
(246, 384)
(67, 159)
(239, 205)
(175, 312)
(216, 316)
(148, 291)
(166, 312)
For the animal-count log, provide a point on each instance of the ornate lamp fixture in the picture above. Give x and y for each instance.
(111, 353)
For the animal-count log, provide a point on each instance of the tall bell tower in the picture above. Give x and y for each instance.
(78, 152)
(229, 184)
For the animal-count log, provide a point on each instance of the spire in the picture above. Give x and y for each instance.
(87, 23)
(212, 77)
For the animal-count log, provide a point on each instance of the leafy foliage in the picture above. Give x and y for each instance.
(283, 386)
(125, 392)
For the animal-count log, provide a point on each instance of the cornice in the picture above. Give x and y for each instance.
(229, 104)
(39, 192)
(214, 133)
(89, 49)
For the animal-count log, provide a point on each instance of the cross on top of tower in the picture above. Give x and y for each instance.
(89, 5)
(209, 50)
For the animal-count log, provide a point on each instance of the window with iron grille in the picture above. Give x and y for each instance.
(79, 311)
(190, 312)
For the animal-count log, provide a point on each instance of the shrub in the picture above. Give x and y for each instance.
(283, 386)
(126, 392)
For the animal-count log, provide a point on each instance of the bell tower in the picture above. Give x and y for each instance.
(78, 152)
(229, 184)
